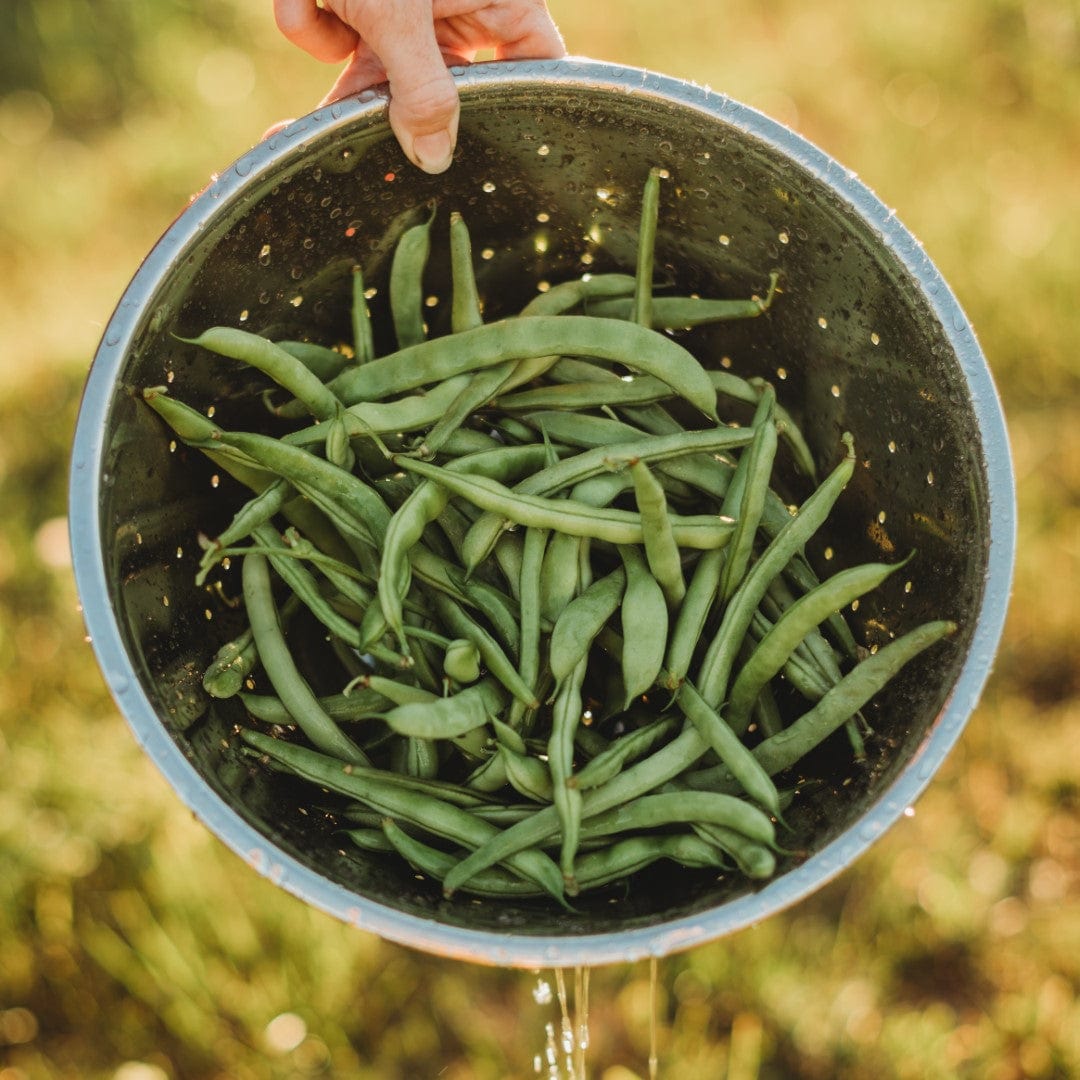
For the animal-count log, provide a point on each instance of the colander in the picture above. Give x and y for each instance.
(866, 337)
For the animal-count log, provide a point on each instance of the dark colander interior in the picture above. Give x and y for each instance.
(548, 175)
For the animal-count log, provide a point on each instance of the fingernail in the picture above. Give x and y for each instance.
(434, 152)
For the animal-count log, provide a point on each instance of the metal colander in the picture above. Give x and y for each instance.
(552, 156)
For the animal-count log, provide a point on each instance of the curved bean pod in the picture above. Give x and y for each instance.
(281, 366)
(523, 337)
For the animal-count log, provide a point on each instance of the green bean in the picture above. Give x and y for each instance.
(643, 270)
(839, 704)
(402, 534)
(691, 617)
(594, 869)
(804, 615)
(684, 312)
(507, 553)
(683, 807)
(231, 665)
(465, 311)
(192, 427)
(789, 431)
(495, 883)
(345, 578)
(355, 705)
(480, 388)
(566, 713)
(423, 506)
(447, 717)
(515, 513)
(644, 617)
(532, 558)
(753, 470)
(767, 713)
(339, 449)
(288, 372)
(580, 621)
(407, 284)
(626, 748)
(528, 776)
(370, 839)
(509, 737)
(344, 496)
(405, 414)
(742, 765)
(434, 814)
(814, 645)
(524, 337)
(568, 295)
(572, 396)
(754, 859)
(615, 526)
(461, 661)
(661, 549)
(560, 579)
(394, 690)
(289, 685)
(414, 757)
(501, 612)
(324, 363)
(363, 340)
(816, 651)
(716, 666)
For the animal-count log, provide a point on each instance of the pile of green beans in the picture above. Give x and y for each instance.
(565, 626)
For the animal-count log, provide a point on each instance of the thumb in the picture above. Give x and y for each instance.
(424, 104)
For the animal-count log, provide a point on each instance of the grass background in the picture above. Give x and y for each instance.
(134, 946)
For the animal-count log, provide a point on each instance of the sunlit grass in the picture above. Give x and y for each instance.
(129, 935)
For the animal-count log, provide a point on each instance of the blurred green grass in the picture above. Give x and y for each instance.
(132, 945)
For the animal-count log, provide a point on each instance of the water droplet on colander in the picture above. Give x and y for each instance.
(118, 682)
(242, 167)
(112, 337)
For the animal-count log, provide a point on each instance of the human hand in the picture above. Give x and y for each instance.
(409, 43)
